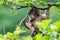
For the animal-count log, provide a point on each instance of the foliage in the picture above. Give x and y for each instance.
(14, 3)
(49, 32)
(18, 30)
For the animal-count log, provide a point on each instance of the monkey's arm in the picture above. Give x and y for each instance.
(47, 14)
(27, 25)
(48, 6)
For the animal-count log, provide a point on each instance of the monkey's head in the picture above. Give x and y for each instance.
(34, 12)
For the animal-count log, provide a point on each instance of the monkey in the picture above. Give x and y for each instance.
(36, 16)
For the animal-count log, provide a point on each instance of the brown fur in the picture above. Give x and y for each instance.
(36, 16)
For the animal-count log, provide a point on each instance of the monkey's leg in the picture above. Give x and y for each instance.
(29, 26)
(33, 33)
(33, 29)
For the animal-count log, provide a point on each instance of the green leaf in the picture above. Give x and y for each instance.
(46, 37)
(38, 37)
(27, 38)
(46, 22)
(42, 3)
(19, 30)
(58, 5)
(40, 26)
(1, 2)
(8, 35)
(57, 25)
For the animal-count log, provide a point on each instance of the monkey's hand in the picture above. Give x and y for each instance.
(51, 4)
(24, 22)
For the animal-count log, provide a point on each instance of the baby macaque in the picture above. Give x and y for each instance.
(36, 16)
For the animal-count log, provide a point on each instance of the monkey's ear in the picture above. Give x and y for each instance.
(39, 11)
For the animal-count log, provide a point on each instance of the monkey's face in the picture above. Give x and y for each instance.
(34, 15)
(34, 12)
